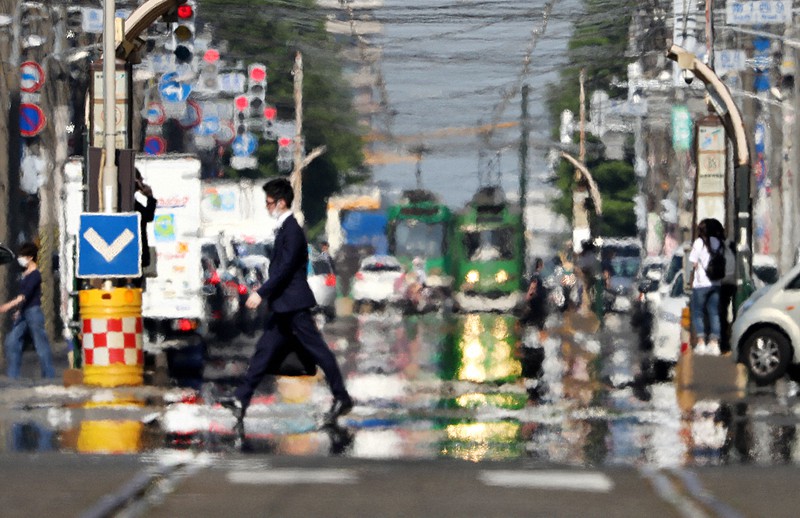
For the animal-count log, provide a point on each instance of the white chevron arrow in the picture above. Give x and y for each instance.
(109, 252)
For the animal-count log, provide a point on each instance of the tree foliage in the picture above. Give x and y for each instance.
(271, 32)
(597, 46)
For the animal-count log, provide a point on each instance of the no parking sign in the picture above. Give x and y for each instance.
(155, 145)
(31, 120)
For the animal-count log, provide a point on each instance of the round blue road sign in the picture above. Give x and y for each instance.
(244, 144)
(155, 145)
(31, 120)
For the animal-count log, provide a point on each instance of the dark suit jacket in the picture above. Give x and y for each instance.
(287, 288)
(147, 215)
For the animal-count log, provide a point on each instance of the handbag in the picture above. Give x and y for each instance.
(292, 359)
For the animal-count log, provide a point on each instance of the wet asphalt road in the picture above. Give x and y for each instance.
(471, 415)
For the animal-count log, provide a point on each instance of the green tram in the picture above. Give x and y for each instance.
(419, 226)
(488, 253)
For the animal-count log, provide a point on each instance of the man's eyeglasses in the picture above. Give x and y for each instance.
(271, 203)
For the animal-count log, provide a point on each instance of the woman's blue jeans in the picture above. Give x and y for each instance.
(705, 307)
(31, 321)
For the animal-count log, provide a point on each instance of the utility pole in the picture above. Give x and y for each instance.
(581, 230)
(109, 198)
(523, 152)
(300, 162)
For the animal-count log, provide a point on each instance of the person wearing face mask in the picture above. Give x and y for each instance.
(290, 300)
(28, 317)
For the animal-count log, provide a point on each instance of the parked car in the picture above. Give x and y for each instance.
(322, 280)
(765, 270)
(222, 288)
(766, 333)
(667, 310)
(380, 280)
(622, 287)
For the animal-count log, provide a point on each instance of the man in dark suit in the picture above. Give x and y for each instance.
(290, 300)
(145, 205)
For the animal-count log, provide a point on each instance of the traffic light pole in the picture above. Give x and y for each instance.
(109, 198)
(300, 162)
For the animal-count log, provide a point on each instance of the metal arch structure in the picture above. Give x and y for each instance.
(724, 105)
(594, 192)
(719, 92)
(139, 20)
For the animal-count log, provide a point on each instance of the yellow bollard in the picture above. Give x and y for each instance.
(107, 436)
(111, 321)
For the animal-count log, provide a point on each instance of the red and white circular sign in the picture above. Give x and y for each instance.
(31, 76)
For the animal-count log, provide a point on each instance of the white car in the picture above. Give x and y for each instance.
(667, 310)
(380, 279)
(322, 281)
(766, 332)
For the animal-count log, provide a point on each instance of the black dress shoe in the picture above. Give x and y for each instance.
(340, 406)
(235, 406)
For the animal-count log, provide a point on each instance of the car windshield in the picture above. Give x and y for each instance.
(381, 266)
(625, 266)
(489, 245)
(321, 267)
(767, 273)
(209, 251)
(677, 287)
(416, 238)
(245, 249)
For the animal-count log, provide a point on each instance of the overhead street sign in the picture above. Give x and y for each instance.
(109, 245)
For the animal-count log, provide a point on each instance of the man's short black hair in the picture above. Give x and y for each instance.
(280, 189)
(28, 250)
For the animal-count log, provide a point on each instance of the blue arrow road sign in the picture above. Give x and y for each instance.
(174, 92)
(244, 144)
(208, 126)
(109, 245)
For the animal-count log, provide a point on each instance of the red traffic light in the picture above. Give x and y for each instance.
(270, 112)
(241, 102)
(284, 141)
(211, 56)
(185, 11)
(258, 73)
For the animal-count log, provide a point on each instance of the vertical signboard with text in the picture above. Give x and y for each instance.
(711, 165)
(122, 118)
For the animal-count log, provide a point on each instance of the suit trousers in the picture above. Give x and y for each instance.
(278, 330)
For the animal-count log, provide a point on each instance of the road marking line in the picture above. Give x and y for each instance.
(670, 494)
(692, 482)
(294, 476)
(567, 480)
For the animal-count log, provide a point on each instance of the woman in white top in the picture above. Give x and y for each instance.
(705, 292)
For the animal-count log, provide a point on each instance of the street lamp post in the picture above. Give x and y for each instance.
(723, 104)
(109, 108)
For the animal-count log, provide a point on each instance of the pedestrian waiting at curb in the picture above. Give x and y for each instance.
(28, 317)
(704, 304)
(727, 290)
(536, 297)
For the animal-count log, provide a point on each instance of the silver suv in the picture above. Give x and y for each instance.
(766, 332)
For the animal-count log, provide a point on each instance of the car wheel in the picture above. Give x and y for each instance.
(767, 353)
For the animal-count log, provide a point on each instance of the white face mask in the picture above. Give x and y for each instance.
(23, 261)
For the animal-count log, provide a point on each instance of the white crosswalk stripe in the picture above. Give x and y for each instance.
(565, 480)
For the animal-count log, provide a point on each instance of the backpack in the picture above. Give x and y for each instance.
(716, 264)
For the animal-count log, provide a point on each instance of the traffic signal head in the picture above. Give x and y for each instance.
(257, 89)
(184, 33)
